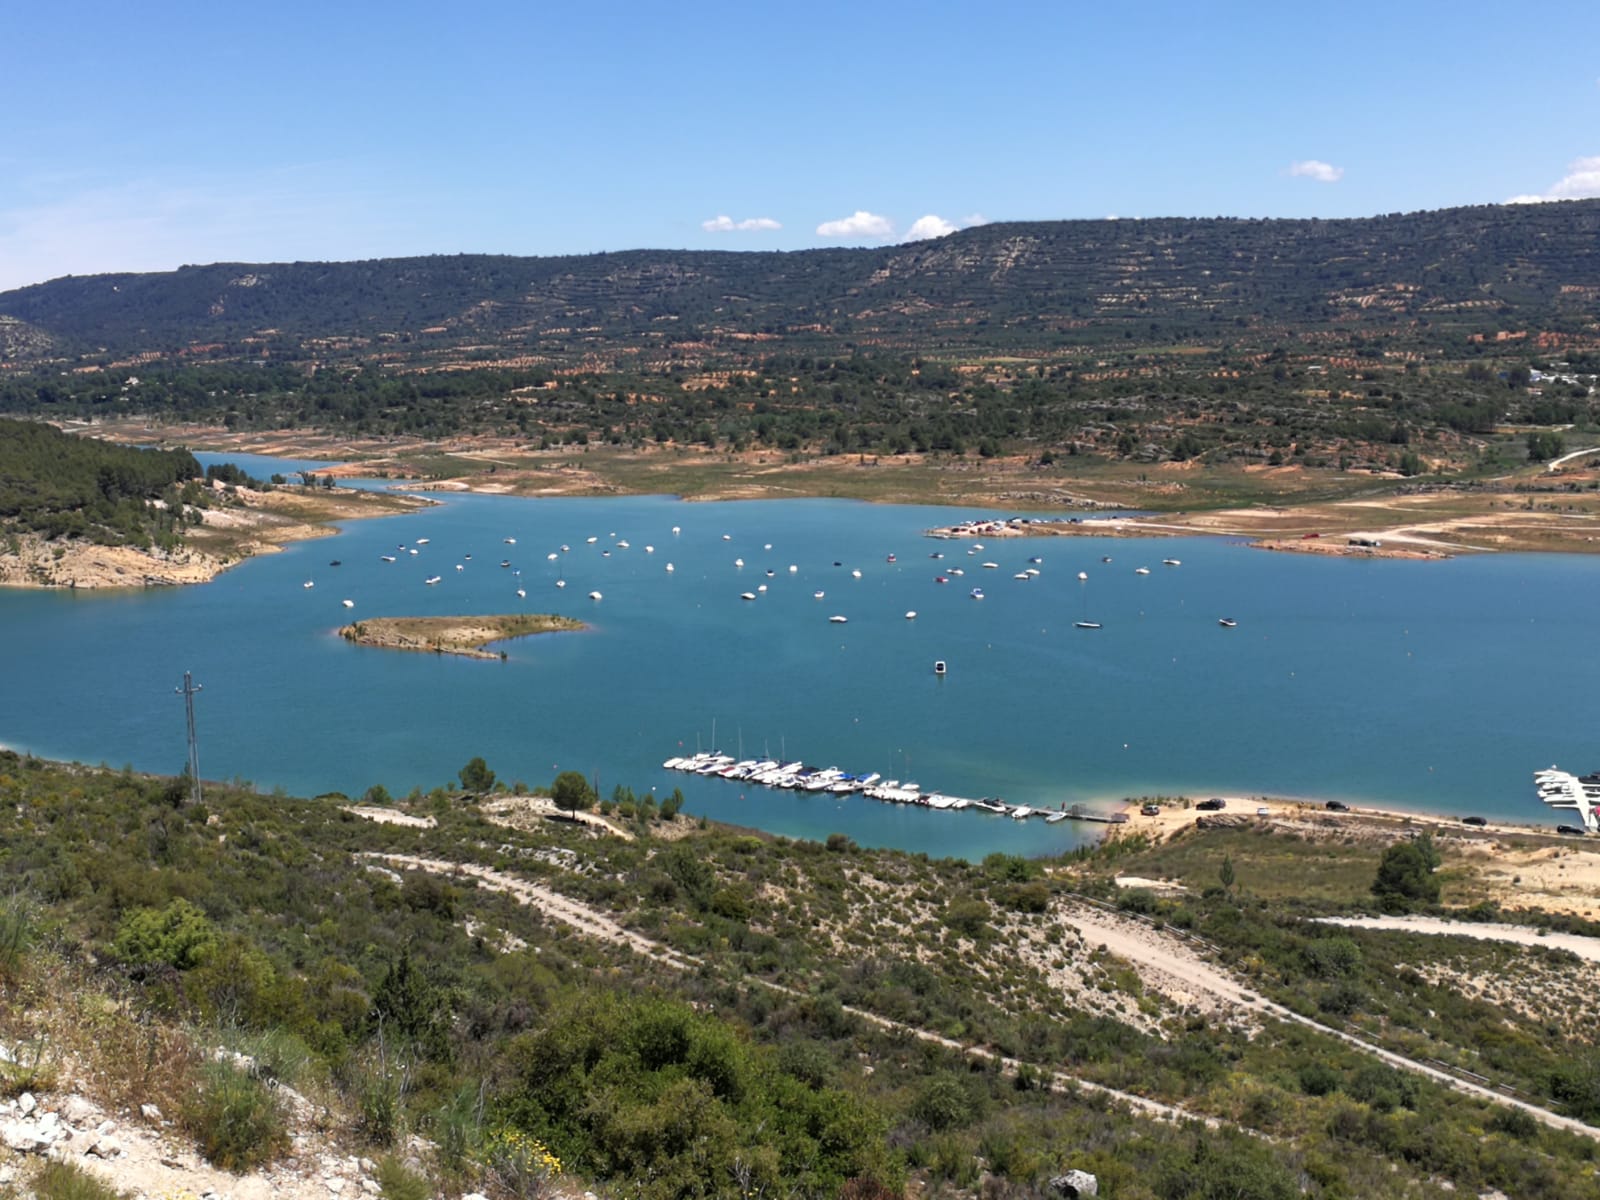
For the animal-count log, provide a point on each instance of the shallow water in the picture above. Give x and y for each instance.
(1438, 686)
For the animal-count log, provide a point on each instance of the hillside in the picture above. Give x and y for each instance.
(458, 993)
(1007, 284)
(1034, 362)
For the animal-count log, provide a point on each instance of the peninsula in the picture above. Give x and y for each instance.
(469, 637)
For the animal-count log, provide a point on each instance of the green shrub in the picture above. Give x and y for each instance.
(1318, 1079)
(943, 1103)
(396, 1181)
(66, 1181)
(17, 928)
(235, 1119)
(178, 935)
(1515, 1122)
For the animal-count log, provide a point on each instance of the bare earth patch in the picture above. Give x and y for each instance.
(468, 637)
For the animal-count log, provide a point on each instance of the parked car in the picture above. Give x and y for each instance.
(1150, 810)
(1263, 811)
(1212, 804)
(1572, 829)
(1336, 806)
(1473, 821)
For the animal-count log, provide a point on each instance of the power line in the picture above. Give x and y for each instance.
(187, 691)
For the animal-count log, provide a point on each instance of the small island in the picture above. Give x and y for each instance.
(468, 636)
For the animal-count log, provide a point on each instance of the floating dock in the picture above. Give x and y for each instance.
(796, 776)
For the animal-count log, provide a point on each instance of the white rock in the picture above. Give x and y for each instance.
(78, 1111)
(474, 1196)
(149, 1112)
(20, 1136)
(49, 1123)
(26, 1104)
(107, 1147)
(371, 1187)
(335, 1185)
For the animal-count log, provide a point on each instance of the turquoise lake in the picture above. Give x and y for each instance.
(1436, 686)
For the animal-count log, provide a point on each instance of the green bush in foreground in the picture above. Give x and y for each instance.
(65, 1181)
(235, 1119)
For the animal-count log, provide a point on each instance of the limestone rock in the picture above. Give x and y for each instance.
(26, 1104)
(150, 1112)
(1075, 1184)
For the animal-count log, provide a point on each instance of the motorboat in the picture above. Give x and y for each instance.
(911, 615)
(939, 667)
(1086, 624)
(1141, 570)
(1227, 622)
(747, 595)
(1171, 562)
(348, 603)
(837, 619)
(594, 595)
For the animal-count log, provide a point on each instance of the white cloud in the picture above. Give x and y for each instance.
(858, 224)
(1312, 168)
(725, 224)
(1581, 182)
(930, 226)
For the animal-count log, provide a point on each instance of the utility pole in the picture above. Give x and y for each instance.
(187, 691)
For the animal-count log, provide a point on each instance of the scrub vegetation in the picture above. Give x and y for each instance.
(771, 1016)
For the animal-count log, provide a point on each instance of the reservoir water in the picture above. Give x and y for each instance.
(1438, 686)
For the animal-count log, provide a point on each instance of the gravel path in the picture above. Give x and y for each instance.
(1167, 959)
(597, 924)
(1522, 935)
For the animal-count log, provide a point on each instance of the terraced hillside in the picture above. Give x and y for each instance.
(1421, 277)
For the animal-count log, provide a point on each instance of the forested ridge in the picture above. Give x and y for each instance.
(1006, 284)
(1394, 344)
(64, 486)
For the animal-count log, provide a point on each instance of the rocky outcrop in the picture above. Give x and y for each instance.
(1074, 1185)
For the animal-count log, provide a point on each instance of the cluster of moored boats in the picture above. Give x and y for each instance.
(796, 776)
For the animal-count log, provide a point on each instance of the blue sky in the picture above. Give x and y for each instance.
(143, 137)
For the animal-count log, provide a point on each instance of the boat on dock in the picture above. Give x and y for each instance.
(838, 784)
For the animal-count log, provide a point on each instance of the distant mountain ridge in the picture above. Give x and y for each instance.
(995, 285)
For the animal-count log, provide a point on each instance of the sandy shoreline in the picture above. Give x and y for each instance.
(259, 523)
